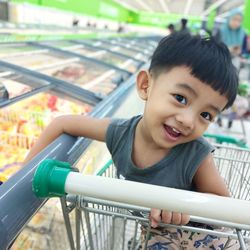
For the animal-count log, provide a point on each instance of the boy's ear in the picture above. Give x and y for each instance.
(143, 83)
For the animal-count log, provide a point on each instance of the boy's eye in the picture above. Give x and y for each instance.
(181, 99)
(207, 116)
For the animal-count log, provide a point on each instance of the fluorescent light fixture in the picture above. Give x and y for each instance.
(213, 6)
(188, 6)
(164, 6)
(126, 5)
(144, 5)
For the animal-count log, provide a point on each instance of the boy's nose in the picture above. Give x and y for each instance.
(186, 119)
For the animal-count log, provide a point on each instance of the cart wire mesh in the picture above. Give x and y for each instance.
(107, 225)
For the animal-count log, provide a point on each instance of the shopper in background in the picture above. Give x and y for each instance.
(120, 28)
(232, 33)
(164, 146)
(171, 28)
(75, 22)
(184, 28)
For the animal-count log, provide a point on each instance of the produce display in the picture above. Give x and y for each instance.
(22, 123)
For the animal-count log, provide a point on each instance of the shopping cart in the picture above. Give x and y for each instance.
(225, 140)
(110, 213)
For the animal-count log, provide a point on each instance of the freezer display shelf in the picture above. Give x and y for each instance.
(16, 140)
(40, 119)
(13, 148)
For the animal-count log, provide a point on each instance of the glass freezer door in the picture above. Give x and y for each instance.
(98, 53)
(89, 75)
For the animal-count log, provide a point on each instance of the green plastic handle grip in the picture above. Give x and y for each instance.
(50, 177)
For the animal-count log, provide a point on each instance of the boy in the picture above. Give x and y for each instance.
(190, 80)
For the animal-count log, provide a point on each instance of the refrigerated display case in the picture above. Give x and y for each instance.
(147, 46)
(104, 55)
(30, 102)
(8, 50)
(132, 45)
(23, 121)
(47, 83)
(134, 53)
(88, 73)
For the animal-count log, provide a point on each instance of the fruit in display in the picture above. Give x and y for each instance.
(22, 123)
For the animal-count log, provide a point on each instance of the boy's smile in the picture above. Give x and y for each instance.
(172, 133)
(178, 109)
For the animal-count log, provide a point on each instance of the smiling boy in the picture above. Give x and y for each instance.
(190, 80)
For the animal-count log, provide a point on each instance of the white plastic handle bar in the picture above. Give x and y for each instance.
(146, 195)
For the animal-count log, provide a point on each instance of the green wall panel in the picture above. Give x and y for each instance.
(98, 8)
(211, 19)
(162, 20)
(27, 1)
(112, 10)
(246, 22)
(83, 6)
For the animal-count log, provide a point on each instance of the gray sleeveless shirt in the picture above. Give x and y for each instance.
(176, 170)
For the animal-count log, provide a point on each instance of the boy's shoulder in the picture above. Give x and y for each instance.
(201, 140)
(198, 145)
(120, 133)
(121, 122)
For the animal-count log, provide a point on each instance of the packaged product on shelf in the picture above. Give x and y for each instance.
(15, 88)
(87, 77)
(70, 73)
(22, 122)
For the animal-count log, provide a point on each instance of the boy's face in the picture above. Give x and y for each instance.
(178, 108)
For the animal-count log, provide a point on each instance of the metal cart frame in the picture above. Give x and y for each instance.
(104, 224)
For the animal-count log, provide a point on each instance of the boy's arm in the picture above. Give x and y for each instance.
(208, 180)
(76, 125)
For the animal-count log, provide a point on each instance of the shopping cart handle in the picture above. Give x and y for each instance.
(226, 139)
(53, 178)
(49, 178)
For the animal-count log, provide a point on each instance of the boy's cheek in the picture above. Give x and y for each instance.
(200, 132)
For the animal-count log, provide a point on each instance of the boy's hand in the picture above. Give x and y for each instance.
(156, 216)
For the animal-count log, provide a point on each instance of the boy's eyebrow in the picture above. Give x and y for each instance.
(188, 88)
(217, 110)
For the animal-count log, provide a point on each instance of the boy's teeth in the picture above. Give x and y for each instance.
(176, 131)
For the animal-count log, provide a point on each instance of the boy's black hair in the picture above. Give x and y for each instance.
(208, 60)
